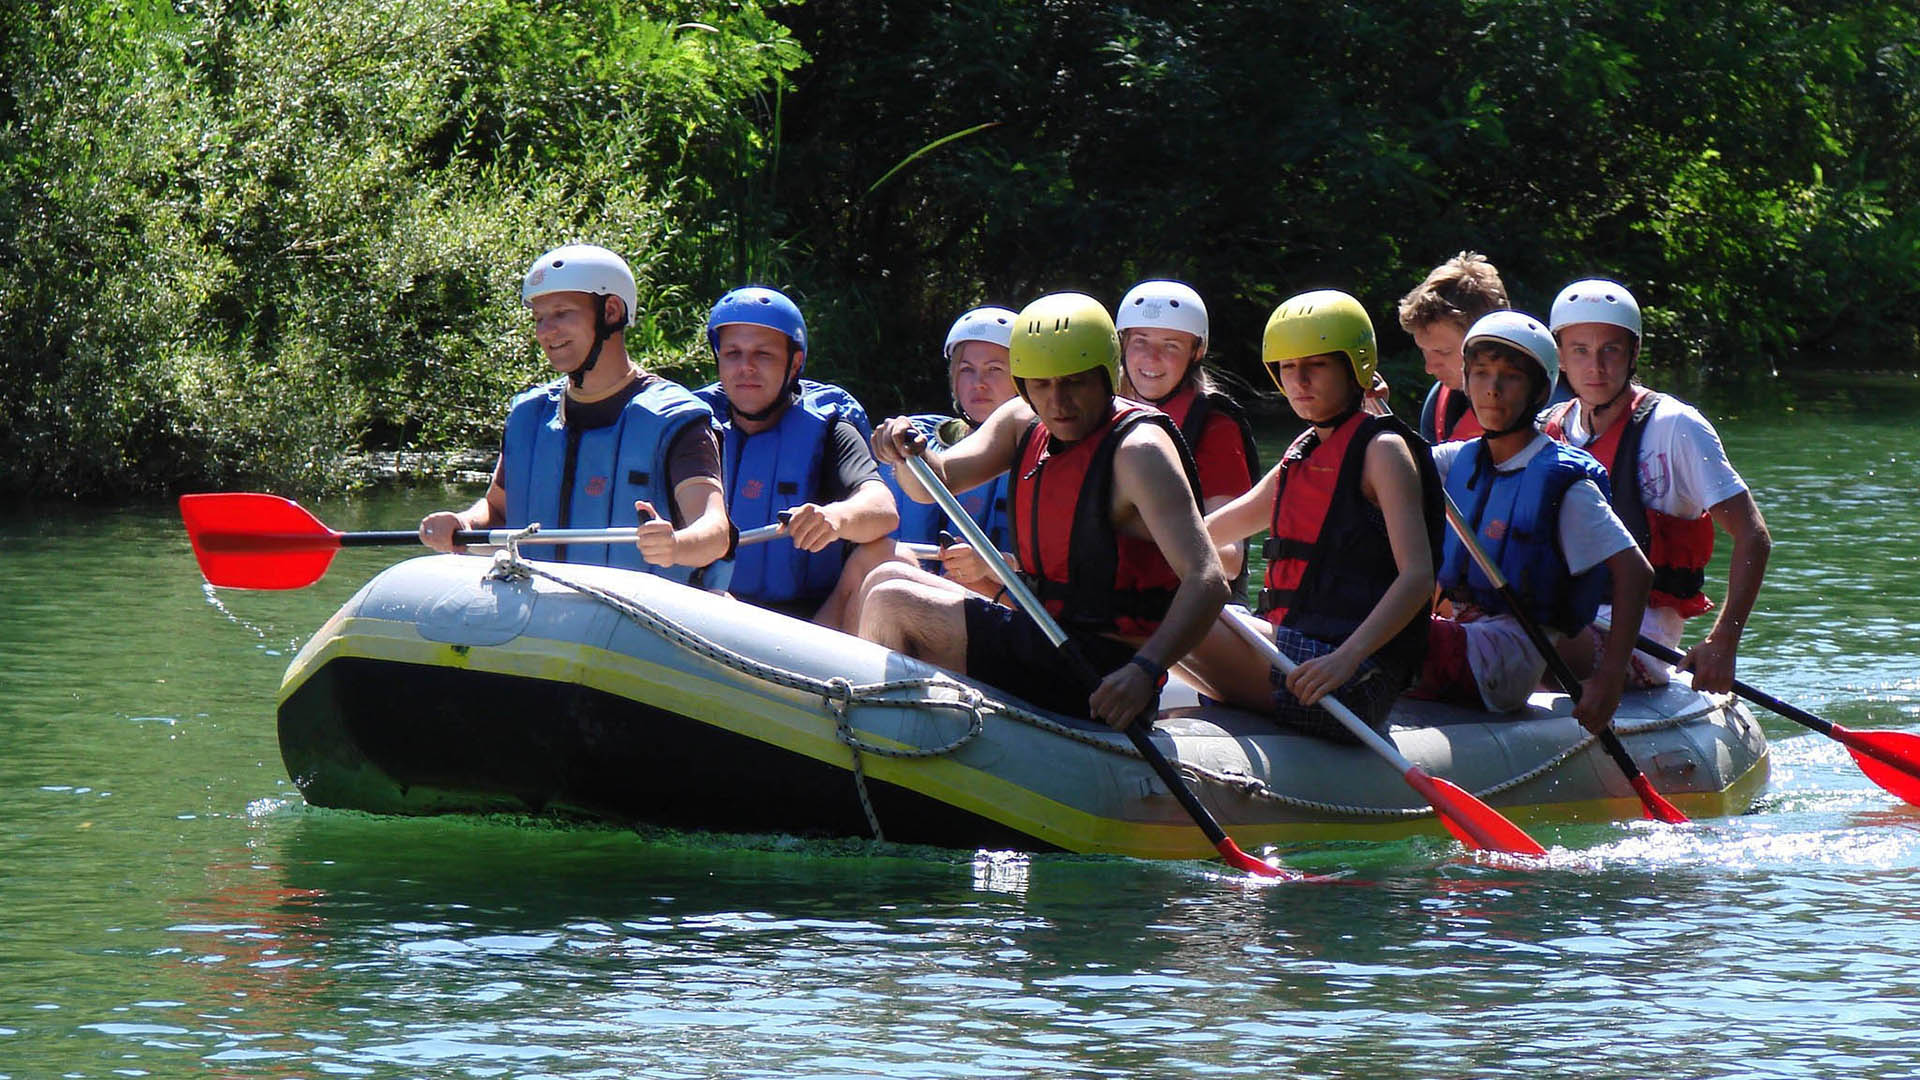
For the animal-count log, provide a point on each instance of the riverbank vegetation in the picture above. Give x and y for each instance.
(243, 240)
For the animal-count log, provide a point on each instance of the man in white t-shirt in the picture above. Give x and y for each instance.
(1537, 510)
(1681, 487)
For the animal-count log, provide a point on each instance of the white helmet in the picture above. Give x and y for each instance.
(1596, 300)
(1522, 332)
(989, 324)
(1164, 305)
(585, 268)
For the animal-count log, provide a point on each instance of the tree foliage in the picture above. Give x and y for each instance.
(242, 238)
(1747, 167)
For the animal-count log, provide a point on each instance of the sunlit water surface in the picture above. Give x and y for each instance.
(172, 908)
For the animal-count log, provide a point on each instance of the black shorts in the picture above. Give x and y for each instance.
(1007, 650)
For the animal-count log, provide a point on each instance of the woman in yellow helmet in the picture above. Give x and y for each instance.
(1354, 519)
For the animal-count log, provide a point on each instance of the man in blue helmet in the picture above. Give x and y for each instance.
(792, 444)
(606, 445)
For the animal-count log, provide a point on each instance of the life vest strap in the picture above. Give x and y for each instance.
(1679, 581)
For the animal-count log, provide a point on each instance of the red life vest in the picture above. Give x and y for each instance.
(1464, 425)
(1218, 434)
(1678, 548)
(1087, 574)
(1329, 560)
(1224, 455)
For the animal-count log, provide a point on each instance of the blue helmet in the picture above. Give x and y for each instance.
(758, 306)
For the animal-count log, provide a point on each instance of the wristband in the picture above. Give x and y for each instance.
(1154, 671)
(733, 540)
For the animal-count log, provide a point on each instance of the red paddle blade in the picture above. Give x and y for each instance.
(245, 540)
(1889, 758)
(1471, 821)
(1655, 804)
(1240, 860)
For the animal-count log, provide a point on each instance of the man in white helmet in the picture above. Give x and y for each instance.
(606, 445)
(1678, 486)
(1536, 508)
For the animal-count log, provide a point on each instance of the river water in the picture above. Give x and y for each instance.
(172, 908)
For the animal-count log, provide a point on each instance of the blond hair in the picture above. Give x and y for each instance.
(1459, 290)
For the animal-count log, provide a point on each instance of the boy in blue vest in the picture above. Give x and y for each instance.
(792, 444)
(606, 445)
(1539, 509)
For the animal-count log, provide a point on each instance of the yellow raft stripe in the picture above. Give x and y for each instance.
(772, 717)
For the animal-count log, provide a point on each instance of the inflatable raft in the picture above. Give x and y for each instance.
(452, 683)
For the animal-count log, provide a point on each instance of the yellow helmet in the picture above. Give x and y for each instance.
(1326, 321)
(1064, 334)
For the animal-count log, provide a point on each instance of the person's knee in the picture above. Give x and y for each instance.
(883, 573)
(907, 616)
(886, 610)
(874, 553)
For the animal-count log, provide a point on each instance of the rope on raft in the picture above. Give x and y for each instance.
(840, 697)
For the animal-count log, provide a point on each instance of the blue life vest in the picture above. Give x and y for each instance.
(1516, 517)
(922, 523)
(776, 470)
(610, 468)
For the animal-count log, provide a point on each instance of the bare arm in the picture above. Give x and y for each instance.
(1233, 553)
(703, 506)
(1245, 514)
(1712, 661)
(487, 512)
(867, 514)
(974, 460)
(1600, 692)
(1150, 482)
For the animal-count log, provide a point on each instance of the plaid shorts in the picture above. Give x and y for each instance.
(1370, 693)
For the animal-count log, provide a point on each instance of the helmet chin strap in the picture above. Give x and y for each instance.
(602, 330)
(1625, 389)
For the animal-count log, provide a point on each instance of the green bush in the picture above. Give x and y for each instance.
(245, 240)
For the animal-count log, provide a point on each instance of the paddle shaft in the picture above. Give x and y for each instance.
(1474, 822)
(1030, 604)
(262, 541)
(1759, 697)
(1657, 805)
(1253, 629)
